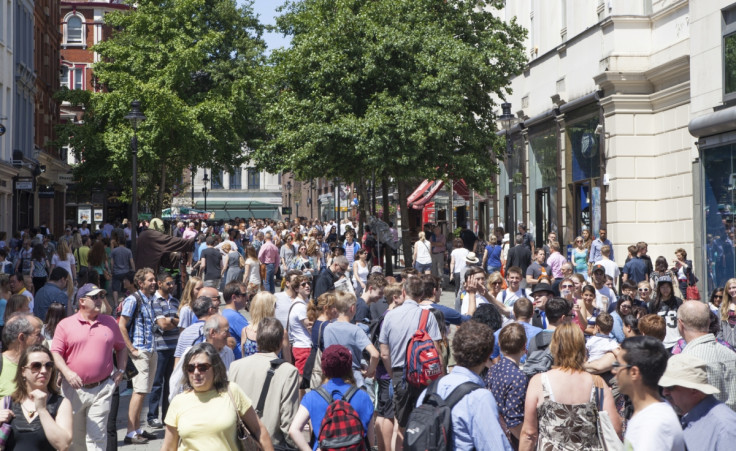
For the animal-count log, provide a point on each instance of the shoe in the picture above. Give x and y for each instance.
(135, 440)
(155, 423)
(147, 435)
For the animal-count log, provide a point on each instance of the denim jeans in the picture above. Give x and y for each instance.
(270, 270)
(160, 391)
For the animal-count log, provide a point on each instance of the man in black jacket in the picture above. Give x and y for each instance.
(326, 280)
(519, 256)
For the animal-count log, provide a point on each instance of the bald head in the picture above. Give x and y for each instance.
(210, 292)
(695, 316)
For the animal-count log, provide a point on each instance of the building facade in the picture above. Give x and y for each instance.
(599, 136)
(243, 193)
(7, 101)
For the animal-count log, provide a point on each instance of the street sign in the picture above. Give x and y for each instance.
(66, 178)
(285, 210)
(24, 183)
(46, 192)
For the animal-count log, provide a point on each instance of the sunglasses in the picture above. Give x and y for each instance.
(202, 367)
(616, 366)
(171, 284)
(567, 286)
(304, 284)
(717, 297)
(623, 306)
(496, 283)
(36, 366)
(643, 290)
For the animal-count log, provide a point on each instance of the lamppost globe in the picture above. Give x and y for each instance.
(135, 117)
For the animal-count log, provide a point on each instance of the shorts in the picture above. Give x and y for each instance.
(145, 363)
(405, 397)
(300, 358)
(385, 405)
(117, 282)
(422, 267)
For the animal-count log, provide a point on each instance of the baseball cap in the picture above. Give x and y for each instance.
(598, 267)
(89, 290)
(687, 371)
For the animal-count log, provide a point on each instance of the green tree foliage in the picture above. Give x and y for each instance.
(196, 66)
(403, 87)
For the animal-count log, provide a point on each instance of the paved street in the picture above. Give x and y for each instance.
(448, 299)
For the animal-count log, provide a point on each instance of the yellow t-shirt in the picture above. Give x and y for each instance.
(207, 421)
(7, 378)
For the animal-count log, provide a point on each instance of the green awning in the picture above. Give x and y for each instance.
(242, 209)
(247, 214)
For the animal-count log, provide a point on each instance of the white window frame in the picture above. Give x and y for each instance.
(74, 79)
(66, 68)
(83, 41)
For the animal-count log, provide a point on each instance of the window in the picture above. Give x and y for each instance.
(64, 77)
(74, 30)
(254, 179)
(78, 78)
(217, 179)
(236, 181)
(729, 53)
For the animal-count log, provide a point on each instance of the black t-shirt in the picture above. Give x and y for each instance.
(468, 238)
(213, 263)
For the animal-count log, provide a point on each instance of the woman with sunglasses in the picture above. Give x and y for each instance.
(41, 417)
(580, 256)
(588, 309)
(644, 293)
(494, 288)
(716, 300)
(205, 415)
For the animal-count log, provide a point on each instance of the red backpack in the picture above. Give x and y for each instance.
(423, 363)
(341, 427)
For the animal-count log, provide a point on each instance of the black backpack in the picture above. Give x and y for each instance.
(540, 360)
(430, 425)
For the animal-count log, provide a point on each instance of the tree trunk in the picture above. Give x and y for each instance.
(362, 202)
(161, 191)
(405, 226)
(388, 265)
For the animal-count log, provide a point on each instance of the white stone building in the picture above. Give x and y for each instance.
(7, 172)
(600, 136)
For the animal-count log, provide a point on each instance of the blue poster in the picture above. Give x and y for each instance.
(596, 201)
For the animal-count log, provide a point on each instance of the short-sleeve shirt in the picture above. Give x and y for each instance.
(87, 347)
(237, 323)
(189, 337)
(508, 384)
(317, 406)
(298, 334)
(636, 269)
(399, 326)
(352, 337)
(142, 338)
(213, 263)
(536, 270)
(207, 420)
(165, 308)
(7, 378)
(121, 257)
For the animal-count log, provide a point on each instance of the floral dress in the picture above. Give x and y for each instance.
(567, 427)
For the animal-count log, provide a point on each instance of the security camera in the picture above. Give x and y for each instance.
(598, 129)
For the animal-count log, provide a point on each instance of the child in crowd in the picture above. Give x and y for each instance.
(602, 342)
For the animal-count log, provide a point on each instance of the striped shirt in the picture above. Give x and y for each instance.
(721, 367)
(165, 308)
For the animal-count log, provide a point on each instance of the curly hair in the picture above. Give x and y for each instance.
(472, 344)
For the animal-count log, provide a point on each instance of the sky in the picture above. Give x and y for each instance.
(266, 11)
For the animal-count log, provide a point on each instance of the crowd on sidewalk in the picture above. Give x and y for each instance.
(540, 350)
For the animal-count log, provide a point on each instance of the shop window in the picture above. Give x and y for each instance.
(543, 180)
(583, 168)
(719, 194)
(236, 180)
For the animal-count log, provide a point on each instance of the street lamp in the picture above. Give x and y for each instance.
(135, 117)
(205, 180)
(506, 117)
(288, 188)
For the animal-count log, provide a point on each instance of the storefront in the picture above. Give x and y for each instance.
(543, 180)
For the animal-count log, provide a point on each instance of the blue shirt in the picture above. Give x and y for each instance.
(475, 418)
(317, 406)
(595, 250)
(452, 316)
(709, 425)
(636, 269)
(531, 332)
(237, 323)
(189, 337)
(494, 256)
(142, 338)
(47, 295)
(508, 384)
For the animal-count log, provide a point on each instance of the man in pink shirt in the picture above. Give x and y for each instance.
(82, 350)
(269, 256)
(555, 262)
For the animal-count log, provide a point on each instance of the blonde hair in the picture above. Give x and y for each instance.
(421, 236)
(263, 305)
(727, 299)
(188, 292)
(344, 301)
(494, 277)
(568, 347)
(62, 250)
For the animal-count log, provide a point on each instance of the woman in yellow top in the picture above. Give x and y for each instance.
(203, 417)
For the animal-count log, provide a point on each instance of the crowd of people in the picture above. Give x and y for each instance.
(292, 335)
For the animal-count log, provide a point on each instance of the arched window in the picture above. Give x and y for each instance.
(74, 30)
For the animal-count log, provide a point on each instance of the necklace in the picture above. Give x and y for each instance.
(31, 413)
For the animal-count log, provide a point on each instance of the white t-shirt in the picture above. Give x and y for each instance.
(598, 346)
(459, 256)
(478, 301)
(509, 297)
(66, 264)
(424, 257)
(611, 268)
(654, 428)
(605, 299)
(283, 304)
(298, 334)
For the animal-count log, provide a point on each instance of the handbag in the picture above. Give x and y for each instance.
(5, 428)
(608, 437)
(245, 439)
(692, 293)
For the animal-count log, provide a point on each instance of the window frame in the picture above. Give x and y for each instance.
(255, 175)
(728, 29)
(83, 35)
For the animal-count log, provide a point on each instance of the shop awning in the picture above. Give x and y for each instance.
(427, 189)
(421, 189)
(428, 195)
(240, 209)
(462, 188)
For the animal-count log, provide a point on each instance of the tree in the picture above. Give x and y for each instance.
(403, 87)
(196, 66)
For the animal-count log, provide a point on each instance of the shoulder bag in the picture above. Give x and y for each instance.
(245, 439)
(608, 437)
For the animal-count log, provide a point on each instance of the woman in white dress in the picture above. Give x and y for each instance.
(252, 272)
(63, 258)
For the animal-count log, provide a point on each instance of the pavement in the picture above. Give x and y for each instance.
(447, 298)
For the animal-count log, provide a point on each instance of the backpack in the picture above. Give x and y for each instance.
(370, 241)
(430, 425)
(423, 363)
(540, 360)
(341, 427)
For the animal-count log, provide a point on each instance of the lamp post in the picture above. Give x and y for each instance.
(135, 117)
(288, 188)
(297, 208)
(506, 118)
(205, 180)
